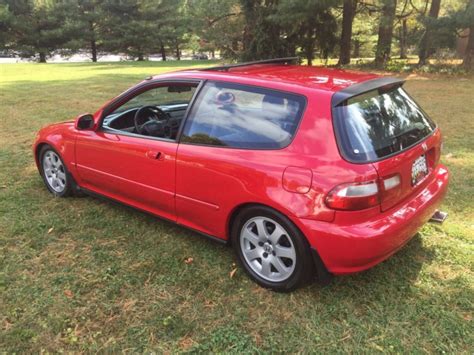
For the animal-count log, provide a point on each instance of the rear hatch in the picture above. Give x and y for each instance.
(384, 126)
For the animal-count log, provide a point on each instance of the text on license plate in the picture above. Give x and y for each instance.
(419, 170)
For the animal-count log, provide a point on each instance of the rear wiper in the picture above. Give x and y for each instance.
(413, 129)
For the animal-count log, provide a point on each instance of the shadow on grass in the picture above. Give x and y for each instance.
(400, 271)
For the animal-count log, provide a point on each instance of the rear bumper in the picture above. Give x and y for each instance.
(349, 248)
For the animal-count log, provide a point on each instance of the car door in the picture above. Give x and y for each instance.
(133, 169)
(137, 171)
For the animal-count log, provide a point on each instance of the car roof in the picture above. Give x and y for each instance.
(320, 78)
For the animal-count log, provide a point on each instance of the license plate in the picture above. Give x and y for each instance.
(419, 170)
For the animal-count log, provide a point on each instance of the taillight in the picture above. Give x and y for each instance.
(359, 196)
(391, 182)
(354, 196)
(391, 188)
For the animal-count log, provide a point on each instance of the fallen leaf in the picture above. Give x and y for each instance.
(188, 260)
(129, 304)
(7, 325)
(186, 343)
(50, 230)
(232, 273)
(68, 293)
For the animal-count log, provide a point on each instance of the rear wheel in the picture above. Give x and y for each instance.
(54, 172)
(271, 249)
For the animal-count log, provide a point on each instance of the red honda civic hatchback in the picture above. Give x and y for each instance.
(305, 171)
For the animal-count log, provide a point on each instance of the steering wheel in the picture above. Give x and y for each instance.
(156, 120)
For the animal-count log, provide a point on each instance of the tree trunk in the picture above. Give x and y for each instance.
(425, 44)
(356, 53)
(468, 63)
(141, 58)
(309, 51)
(94, 50)
(347, 19)
(213, 53)
(42, 57)
(384, 41)
(93, 42)
(403, 39)
(248, 9)
(178, 52)
(163, 51)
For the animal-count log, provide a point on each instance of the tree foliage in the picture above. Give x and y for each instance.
(237, 29)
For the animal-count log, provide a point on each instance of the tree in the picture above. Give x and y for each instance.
(468, 62)
(86, 23)
(141, 28)
(263, 35)
(385, 32)
(425, 45)
(348, 13)
(6, 20)
(218, 25)
(402, 19)
(37, 26)
(309, 25)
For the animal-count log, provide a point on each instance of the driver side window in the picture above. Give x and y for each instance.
(156, 112)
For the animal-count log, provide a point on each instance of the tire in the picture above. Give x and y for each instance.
(271, 249)
(55, 175)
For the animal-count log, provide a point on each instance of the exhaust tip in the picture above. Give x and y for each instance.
(439, 217)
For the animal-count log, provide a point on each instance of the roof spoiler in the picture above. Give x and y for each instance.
(366, 86)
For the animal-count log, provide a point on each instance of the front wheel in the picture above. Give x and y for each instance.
(54, 172)
(271, 249)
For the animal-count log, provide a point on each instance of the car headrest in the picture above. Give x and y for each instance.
(274, 106)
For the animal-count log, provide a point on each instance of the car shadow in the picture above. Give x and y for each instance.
(391, 278)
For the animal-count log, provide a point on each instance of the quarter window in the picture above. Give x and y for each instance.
(232, 115)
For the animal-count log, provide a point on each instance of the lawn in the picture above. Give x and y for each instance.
(81, 274)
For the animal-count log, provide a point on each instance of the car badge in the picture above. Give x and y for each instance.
(425, 147)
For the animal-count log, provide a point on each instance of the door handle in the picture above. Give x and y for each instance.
(154, 155)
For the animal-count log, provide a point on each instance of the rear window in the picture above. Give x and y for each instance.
(379, 123)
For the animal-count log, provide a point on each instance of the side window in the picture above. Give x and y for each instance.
(156, 112)
(239, 116)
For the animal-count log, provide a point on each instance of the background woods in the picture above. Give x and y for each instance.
(241, 29)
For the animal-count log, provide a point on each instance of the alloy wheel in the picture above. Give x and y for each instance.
(54, 171)
(268, 249)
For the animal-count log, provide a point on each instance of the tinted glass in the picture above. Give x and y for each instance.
(243, 117)
(377, 124)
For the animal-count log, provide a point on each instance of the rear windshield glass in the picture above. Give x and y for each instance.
(379, 123)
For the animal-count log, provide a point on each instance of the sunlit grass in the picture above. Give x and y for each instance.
(79, 274)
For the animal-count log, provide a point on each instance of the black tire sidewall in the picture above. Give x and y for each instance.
(304, 269)
(68, 190)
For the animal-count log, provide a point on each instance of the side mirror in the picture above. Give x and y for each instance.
(85, 122)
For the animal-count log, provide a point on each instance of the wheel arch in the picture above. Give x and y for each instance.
(239, 208)
(37, 151)
(322, 272)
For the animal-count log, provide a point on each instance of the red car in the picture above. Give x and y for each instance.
(303, 170)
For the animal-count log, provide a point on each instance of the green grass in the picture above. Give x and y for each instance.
(79, 274)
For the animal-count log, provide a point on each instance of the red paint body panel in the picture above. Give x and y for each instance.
(127, 167)
(297, 179)
(353, 242)
(201, 186)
